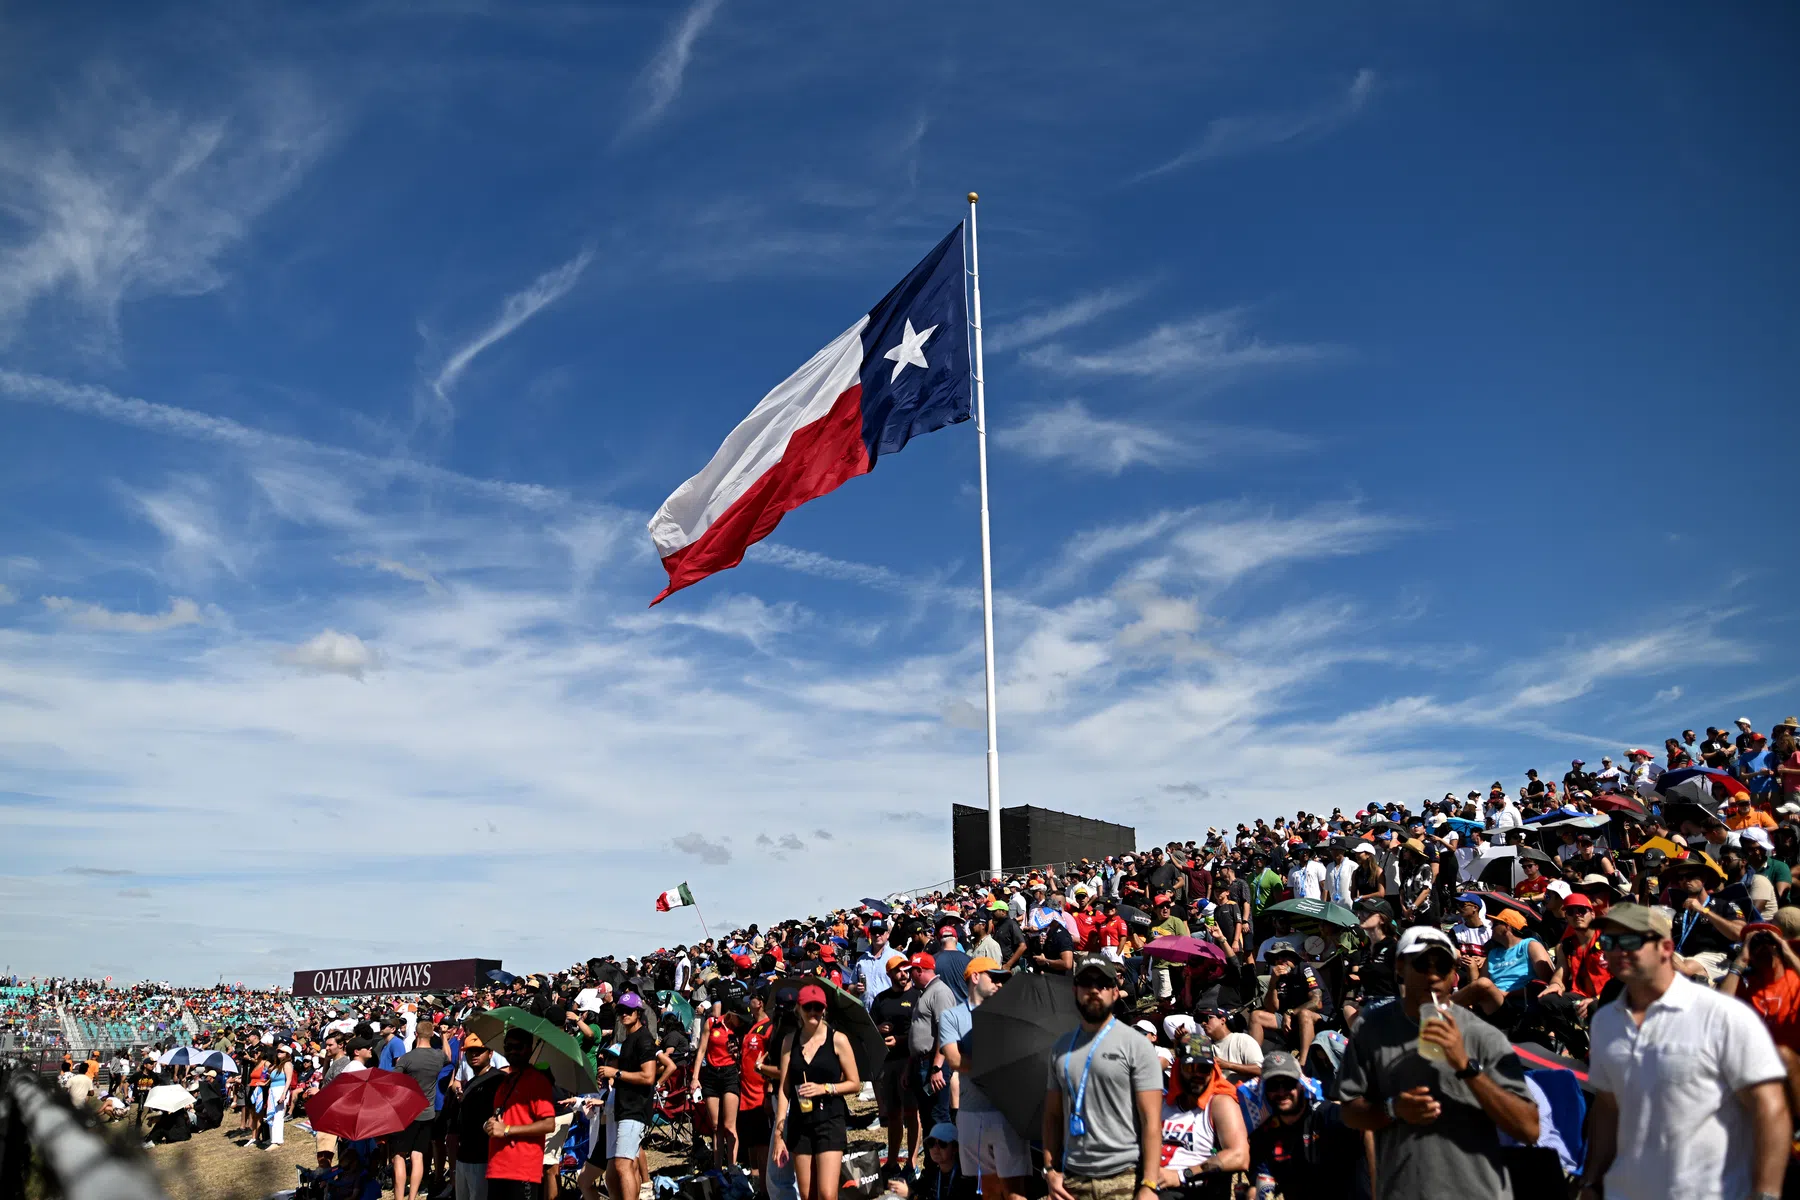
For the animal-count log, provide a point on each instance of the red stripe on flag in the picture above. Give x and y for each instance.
(819, 458)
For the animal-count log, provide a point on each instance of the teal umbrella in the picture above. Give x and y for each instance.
(555, 1049)
(1317, 910)
(677, 1006)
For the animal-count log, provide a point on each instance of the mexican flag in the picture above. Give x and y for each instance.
(678, 897)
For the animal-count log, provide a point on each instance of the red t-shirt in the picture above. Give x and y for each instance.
(1084, 930)
(752, 1087)
(1778, 1000)
(718, 1043)
(1531, 888)
(521, 1100)
(1110, 933)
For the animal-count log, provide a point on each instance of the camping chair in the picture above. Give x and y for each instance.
(672, 1117)
(575, 1150)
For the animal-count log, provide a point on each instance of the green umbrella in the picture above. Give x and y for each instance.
(555, 1049)
(676, 1004)
(1318, 910)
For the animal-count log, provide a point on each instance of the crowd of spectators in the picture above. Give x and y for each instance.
(1399, 1001)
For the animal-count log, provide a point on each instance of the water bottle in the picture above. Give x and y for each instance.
(1429, 1011)
(1266, 1187)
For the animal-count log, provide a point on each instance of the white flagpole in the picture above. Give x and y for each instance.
(987, 559)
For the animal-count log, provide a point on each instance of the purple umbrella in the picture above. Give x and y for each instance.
(1176, 948)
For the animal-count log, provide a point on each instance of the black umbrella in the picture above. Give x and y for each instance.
(1011, 1041)
(848, 1016)
(1505, 871)
(1135, 916)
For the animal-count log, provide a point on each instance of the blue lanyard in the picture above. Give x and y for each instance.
(1077, 1117)
(1688, 921)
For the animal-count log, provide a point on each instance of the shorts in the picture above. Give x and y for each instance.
(623, 1138)
(719, 1081)
(892, 1096)
(1122, 1186)
(414, 1139)
(471, 1181)
(514, 1189)
(753, 1128)
(988, 1145)
(820, 1136)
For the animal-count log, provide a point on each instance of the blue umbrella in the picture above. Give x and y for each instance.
(880, 906)
(1465, 827)
(504, 978)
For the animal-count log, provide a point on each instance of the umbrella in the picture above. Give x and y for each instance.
(168, 1098)
(677, 1006)
(180, 1056)
(1498, 900)
(217, 1060)
(503, 978)
(366, 1104)
(847, 1015)
(1502, 868)
(555, 1048)
(1178, 949)
(880, 906)
(1696, 784)
(1317, 910)
(1010, 1044)
(1465, 827)
(1135, 916)
(1579, 820)
(1619, 802)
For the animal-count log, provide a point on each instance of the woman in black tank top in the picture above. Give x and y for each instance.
(818, 1069)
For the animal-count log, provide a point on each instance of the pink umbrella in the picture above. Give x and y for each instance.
(1177, 948)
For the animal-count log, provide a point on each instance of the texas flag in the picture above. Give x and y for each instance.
(901, 370)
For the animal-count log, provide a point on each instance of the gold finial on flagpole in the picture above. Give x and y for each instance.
(973, 197)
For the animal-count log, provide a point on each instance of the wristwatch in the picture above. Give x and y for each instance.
(1470, 1071)
(1392, 1114)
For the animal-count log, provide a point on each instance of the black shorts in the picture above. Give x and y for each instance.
(753, 1128)
(719, 1081)
(819, 1135)
(892, 1096)
(414, 1139)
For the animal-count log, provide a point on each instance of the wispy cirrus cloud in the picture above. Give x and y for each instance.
(1071, 434)
(660, 82)
(391, 566)
(518, 308)
(182, 611)
(94, 401)
(1230, 137)
(1028, 331)
(1210, 346)
(118, 196)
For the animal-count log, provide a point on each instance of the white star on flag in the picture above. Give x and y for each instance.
(910, 351)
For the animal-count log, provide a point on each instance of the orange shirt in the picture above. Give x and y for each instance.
(1754, 819)
(1778, 1000)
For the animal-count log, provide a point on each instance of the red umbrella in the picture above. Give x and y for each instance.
(1499, 900)
(1619, 802)
(366, 1104)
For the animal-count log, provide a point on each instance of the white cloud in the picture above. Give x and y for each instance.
(1667, 695)
(195, 542)
(703, 848)
(1230, 137)
(182, 611)
(663, 76)
(119, 197)
(515, 310)
(7, 595)
(1104, 444)
(93, 401)
(1026, 331)
(1211, 346)
(332, 653)
(392, 566)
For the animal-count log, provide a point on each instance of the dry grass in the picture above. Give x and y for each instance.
(214, 1166)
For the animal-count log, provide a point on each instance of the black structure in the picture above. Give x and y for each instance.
(1031, 836)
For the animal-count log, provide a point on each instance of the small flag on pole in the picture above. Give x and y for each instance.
(678, 897)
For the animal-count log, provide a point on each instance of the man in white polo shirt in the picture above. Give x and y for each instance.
(1689, 1096)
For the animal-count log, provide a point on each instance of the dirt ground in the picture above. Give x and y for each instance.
(215, 1165)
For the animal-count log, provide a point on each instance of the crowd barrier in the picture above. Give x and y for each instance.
(41, 1131)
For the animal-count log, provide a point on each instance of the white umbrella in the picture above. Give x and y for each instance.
(180, 1056)
(168, 1098)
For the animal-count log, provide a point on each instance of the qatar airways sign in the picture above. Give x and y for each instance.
(443, 975)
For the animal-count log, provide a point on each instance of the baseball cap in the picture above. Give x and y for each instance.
(631, 1000)
(812, 993)
(1146, 1027)
(1096, 962)
(1638, 919)
(978, 964)
(1510, 916)
(1280, 1065)
(1560, 887)
(943, 1132)
(998, 906)
(1416, 940)
(897, 960)
(923, 962)
(1577, 900)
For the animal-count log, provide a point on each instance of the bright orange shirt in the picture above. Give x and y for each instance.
(1778, 1000)
(1754, 819)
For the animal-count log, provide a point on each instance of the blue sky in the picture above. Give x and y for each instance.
(1384, 400)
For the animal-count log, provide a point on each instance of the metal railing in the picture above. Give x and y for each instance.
(41, 1132)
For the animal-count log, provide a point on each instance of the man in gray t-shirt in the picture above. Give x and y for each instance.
(1437, 1122)
(1104, 1139)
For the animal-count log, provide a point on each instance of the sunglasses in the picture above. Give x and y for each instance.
(1439, 961)
(812, 1008)
(1271, 1086)
(1624, 941)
